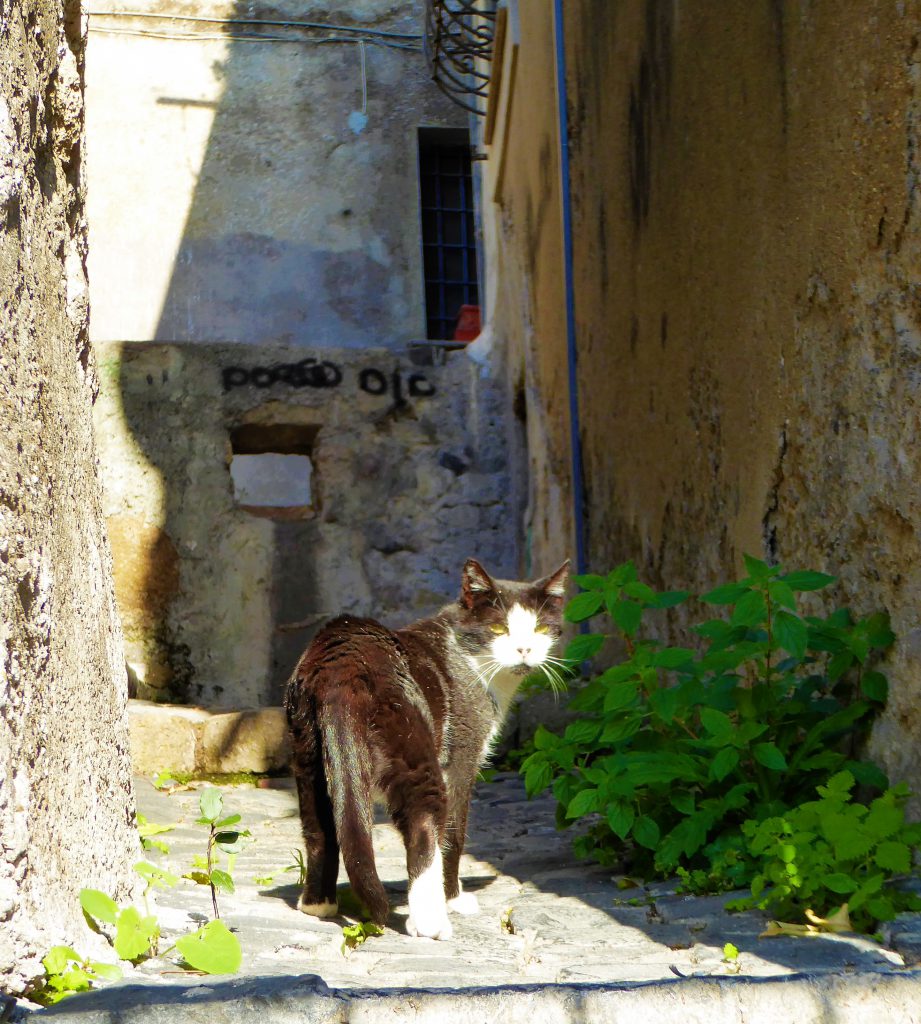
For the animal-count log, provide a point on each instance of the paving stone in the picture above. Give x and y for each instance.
(572, 947)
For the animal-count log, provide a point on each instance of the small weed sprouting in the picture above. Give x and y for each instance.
(353, 935)
(223, 836)
(148, 829)
(676, 748)
(67, 972)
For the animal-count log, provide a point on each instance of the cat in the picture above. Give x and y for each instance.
(407, 716)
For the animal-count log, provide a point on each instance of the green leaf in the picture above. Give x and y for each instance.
(156, 876)
(878, 631)
(755, 568)
(640, 592)
(231, 841)
(646, 832)
(584, 646)
(227, 822)
(670, 598)
(728, 593)
(875, 686)
(221, 880)
(625, 573)
(213, 949)
(627, 615)
(581, 732)
(768, 755)
(730, 952)
(98, 905)
(210, 801)
(806, 580)
(57, 958)
(717, 723)
(682, 802)
(750, 609)
(590, 581)
(584, 802)
(791, 633)
(620, 817)
(111, 972)
(537, 777)
(134, 934)
(781, 594)
(895, 857)
(724, 762)
(840, 883)
(620, 696)
(544, 739)
(672, 657)
(584, 606)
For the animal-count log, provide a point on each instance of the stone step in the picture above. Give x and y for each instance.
(198, 741)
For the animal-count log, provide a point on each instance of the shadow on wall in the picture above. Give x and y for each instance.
(302, 230)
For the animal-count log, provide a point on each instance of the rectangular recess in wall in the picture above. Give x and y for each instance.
(271, 468)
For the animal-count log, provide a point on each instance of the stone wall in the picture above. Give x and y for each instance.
(745, 198)
(272, 193)
(66, 806)
(218, 595)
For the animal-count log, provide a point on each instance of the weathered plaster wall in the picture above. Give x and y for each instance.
(66, 806)
(525, 294)
(234, 192)
(745, 181)
(410, 478)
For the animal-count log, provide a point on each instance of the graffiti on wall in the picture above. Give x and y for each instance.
(321, 373)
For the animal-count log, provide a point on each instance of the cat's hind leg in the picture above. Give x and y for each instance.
(318, 896)
(458, 901)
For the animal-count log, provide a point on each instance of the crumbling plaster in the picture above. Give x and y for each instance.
(745, 182)
(66, 805)
(411, 477)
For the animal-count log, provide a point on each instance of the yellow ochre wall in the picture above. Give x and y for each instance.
(745, 203)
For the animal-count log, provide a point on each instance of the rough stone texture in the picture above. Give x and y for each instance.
(66, 804)
(745, 198)
(253, 206)
(199, 742)
(582, 949)
(407, 484)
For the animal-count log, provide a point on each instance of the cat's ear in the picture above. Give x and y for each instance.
(555, 584)
(475, 583)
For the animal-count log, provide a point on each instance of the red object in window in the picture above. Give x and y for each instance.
(467, 325)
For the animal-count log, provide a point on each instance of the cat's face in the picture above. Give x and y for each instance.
(513, 625)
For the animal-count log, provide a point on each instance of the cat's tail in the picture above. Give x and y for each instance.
(348, 761)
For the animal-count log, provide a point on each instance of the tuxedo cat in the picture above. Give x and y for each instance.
(407, 716)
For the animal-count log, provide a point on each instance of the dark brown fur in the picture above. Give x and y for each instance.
(401, 713)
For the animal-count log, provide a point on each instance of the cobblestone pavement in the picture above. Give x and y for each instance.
(545, 921)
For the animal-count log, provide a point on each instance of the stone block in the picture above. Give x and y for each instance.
(246, 741)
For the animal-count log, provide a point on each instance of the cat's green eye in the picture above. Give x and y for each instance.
(542, 628)
(498, 629)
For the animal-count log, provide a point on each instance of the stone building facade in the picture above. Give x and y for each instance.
(272, 451)
(744, 199)
(66, 805)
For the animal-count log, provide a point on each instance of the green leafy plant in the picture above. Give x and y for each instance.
(223, 836)
(213, 949)
(353, 935)
(148, 829)
(675, 747)
(833, 850)
(299, 864)
(67, 972)
(136, 935)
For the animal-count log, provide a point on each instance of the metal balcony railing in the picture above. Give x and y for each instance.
(459, 44)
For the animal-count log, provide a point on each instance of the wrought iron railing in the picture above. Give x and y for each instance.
(458, 44)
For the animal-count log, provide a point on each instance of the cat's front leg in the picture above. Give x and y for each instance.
(428, 912)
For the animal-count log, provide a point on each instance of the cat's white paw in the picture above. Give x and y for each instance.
(324, 909)
(428, 913)
(431, 923)
(464, 903)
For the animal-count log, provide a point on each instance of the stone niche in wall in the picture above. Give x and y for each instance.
(269, 488)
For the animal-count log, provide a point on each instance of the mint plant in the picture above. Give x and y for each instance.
(831, 850)
(675, 747)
